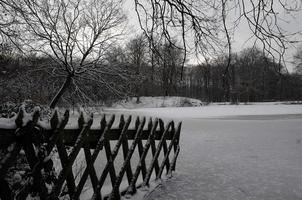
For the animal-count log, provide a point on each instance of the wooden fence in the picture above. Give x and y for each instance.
(37, 139)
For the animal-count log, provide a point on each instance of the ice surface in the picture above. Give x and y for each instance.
(234, 152)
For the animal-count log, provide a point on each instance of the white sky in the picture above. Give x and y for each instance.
(241, 35)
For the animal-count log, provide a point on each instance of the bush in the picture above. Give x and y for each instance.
(9, 109)
(184, 102)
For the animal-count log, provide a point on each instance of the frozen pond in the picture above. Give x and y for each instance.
(237, 157)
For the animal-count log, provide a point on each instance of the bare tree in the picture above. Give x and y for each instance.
(136, 53)
(298, 60)
(74, 33)
(207, 26)
(6, 20)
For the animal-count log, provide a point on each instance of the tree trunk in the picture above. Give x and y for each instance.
(137, 96)
(281, 89)
(62, 90)
(152, 73)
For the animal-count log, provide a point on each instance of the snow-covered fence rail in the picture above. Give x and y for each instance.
(37, 139)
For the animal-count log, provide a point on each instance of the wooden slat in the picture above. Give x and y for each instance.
(176, 147)
(104, 129)
(67, 169)
(167, 154)
(131, 189)
(140, 152)
(159, 146)
(142, 159)
(121, 141)
(87, 154)
(115, 191)
(172, 168)
(113, 156)
(69, 136)
(64, 160)
(125, 148)
(109, 166)
(89, 163)
(57, 128)
(153, 150)
(165, 148)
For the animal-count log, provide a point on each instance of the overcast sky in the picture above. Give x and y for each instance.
(241, 35)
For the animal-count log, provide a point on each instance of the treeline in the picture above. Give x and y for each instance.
(252, 77)
(141, 72)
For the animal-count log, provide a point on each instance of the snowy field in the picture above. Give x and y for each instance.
(234, 152)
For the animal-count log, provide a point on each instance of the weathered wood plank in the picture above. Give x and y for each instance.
(69, 136)
(158, 149)
(113, 156)
(176, 148)
(153, 150)
(125, 148)
(105, 127)
(152, 127)
(140, 152)
(165, 147)
(72, 156)
(115, 190)
(89, 163)
(166, 157)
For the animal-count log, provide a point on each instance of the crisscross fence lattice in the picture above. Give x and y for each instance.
(37, 139)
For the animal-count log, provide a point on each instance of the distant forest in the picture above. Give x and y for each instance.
(252, 77)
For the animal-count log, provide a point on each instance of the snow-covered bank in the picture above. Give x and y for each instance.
(214, 111)
(174, 101)
(157, 102)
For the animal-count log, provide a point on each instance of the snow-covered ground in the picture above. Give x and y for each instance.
(219, 111)
(235, 152)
